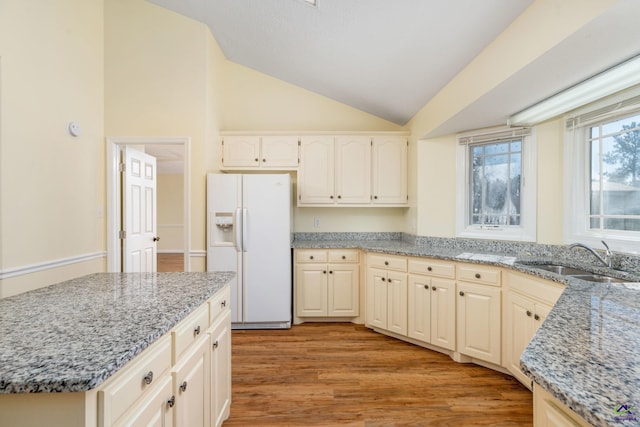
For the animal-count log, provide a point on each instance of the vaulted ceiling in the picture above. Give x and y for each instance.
(390, 57)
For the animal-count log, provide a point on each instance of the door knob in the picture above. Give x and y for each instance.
(156, 238)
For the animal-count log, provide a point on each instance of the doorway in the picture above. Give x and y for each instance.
(173, 156)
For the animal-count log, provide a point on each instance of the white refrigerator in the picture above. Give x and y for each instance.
(249, 232)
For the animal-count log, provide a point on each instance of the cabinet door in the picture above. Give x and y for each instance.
(478, 321)
(191, 386)
(443, 313)
(311, 290)
(397, 302)
(279, 152)
(316, 172)
(241, 151)
(377, 298)
(155, 409)
(419, 308)
(389, 182)
(353, 170)
(343, 295)
(220, 345)
(519, 331)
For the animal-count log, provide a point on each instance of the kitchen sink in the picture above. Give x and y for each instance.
(598, 278)
(561, 269)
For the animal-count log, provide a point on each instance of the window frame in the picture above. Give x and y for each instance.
(526, 231)
(577, 176)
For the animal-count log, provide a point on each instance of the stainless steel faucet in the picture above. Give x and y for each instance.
(607, 257)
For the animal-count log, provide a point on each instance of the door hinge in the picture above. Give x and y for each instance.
(122, 234)
(122, 167)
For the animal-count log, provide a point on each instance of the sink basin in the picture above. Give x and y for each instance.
(598, 278)
(561, 269)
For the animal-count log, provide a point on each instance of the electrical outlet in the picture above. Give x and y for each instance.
(316, 222)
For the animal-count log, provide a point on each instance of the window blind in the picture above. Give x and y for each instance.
(609, 107)
(493, 136)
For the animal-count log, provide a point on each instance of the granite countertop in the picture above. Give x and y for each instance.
(586, 353)
(73, 335)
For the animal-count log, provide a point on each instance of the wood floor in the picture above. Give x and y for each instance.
(170, 262)
(320, 374)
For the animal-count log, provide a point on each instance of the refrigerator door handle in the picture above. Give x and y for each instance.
(244, 229)
(238, 230)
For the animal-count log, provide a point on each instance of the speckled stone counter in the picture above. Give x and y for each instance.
(73, 335)
(587, 352)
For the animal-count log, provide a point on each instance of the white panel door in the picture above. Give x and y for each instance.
(139, 247)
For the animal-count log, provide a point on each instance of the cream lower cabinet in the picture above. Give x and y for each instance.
(478, 326)
(387, 293)
(526, 304)
(432, 302)
(327, 283)
(191, 387)
(220, 347)
(550, 412)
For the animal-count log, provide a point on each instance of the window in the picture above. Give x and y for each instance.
(493, 200)
(602, 159)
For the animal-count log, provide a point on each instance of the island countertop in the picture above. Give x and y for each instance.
(73, 335)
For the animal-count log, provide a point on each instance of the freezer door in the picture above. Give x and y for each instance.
(267, 251)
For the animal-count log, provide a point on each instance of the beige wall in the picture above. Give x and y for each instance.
(51, 184)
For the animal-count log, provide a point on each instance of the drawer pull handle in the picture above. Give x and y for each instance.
(183, 386)
(478, 275)
(196, 331)
(148, 378)
(529, 313)
(223, 303)
(171, 402)
(311, 257)
(215, 344)
(461, 293)
(386, 263)
(344, 257)
(434, 288)
(537, 317)
(429, 269)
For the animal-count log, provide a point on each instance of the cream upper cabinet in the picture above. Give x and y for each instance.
(527, 303)
(326, 283)
(316, 172)
(389, 178)
(432, 302)
(387, 292)
(479, 312)
(353, 170)
(259, 152)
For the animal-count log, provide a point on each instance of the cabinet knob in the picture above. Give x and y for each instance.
(215, 344)
(171, 402)
(478, 275)
(331, 197)
(324, 271)
(433, 288)
(461, 293)
(330, 271)
(196, 331)
(311, 257)
(339, 196)
(344, 257)
(375, 197)
(537, 317)
(384, 280)
(256, 159)
(429, 269)
(148, 378)
(183, 386)
(386, 263)
(426, 287)
(529, 313)
(264, 160)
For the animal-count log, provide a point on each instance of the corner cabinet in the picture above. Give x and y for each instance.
(326, 284)
(352, 170)
(253, 152)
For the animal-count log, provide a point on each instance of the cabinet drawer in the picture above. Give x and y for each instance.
(534, 287)
(388, 262)
(343, 255)
(219, 303)
(189, 330)
(132, 381)
(479, 274)
(432, 267)
(311, 255)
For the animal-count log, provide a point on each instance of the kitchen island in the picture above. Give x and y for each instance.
(585, 353)
(62, 342)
